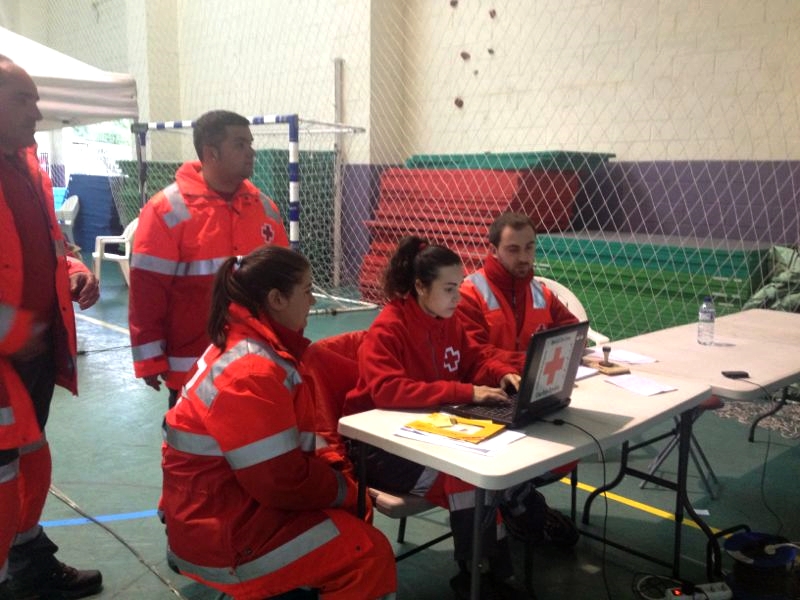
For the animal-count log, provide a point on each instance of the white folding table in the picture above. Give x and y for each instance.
(611, 415)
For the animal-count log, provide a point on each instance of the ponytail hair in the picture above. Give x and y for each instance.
(247, 280)
(414, 259)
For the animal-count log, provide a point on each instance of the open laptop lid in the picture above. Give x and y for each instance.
(551, 364)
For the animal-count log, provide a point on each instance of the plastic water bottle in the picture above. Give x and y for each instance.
(705, 322)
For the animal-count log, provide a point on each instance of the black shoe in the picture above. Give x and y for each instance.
(559, 530)
(551, 528)
(5, 593)
(61, 582)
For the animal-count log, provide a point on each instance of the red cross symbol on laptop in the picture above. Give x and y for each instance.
(554, 365)
(267, 233)
(451, 359)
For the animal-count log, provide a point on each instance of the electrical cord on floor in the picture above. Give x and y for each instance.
(560, 422)
(85, 352)
(71, 503)
(769, 398)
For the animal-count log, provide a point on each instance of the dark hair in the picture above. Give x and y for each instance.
(516, 221)
(415, 259)
(247, 281)
(209, 129)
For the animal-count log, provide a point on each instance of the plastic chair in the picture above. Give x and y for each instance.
(574, 305)
(123, 260)
(333, 365)
(66, 216)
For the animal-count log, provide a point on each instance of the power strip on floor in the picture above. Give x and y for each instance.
(702, 591)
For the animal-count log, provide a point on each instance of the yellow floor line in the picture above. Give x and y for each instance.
(652, 510)
(111, 326)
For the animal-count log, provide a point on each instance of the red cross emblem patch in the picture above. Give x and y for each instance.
(554, 365)
(268, 233)
(451, 359)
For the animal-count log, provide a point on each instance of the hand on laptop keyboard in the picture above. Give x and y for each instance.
(483, 394)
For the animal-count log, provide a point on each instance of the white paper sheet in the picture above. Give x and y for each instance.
(584, 372)
(622, 356)
(640, 385)
(488, 447)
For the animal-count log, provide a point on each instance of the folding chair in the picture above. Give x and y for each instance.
(334, 367)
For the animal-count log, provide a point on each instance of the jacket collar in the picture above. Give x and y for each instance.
(194, 187)
(285, 341)
(502, 279)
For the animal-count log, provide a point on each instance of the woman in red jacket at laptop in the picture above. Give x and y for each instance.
(416, 355)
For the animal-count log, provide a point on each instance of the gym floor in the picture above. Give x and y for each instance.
(106, 466)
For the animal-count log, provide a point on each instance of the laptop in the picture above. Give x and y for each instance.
(551, 363)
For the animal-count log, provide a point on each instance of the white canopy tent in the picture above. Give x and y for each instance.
(71, 92)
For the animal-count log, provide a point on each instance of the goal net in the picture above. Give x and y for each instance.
(657, 144)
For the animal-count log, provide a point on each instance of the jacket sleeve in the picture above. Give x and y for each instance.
(149, 292)
(383, 363)
(268, 456)
(471, 316)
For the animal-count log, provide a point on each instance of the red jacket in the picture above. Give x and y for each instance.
(409, 359)
(487, 314)
(184, 233)
(18, 425)
(241, 479)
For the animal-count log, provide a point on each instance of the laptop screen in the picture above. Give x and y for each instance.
(554, 356)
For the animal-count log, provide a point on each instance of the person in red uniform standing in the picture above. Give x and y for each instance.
(38, 283)
(211, 212)
(503, 305)
(416, 355)
(250, 509)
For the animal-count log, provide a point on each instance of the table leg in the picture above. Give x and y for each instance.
(714, 553)
(477, 537)
(362, 481)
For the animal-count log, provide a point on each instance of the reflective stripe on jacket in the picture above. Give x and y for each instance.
(185, 232)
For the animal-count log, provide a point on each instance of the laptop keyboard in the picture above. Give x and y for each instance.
(494, 411)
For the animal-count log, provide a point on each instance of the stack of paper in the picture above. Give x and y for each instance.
(475, 435)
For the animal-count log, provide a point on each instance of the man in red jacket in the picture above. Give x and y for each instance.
(502, 305)
(185, 232)
(38, 282)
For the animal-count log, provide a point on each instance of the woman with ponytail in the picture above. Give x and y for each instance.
(417, 355)
(250, 509)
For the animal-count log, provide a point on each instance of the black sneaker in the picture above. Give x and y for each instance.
(62, 582)
(555, 529)
(5, 593)
(559, 530)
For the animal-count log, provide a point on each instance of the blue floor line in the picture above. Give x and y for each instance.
(103, 519)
